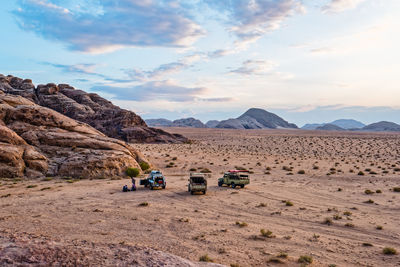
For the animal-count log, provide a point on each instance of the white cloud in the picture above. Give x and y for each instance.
(251, 19)
(254, 67)
(156, 90)
(110, 26)
(336, 6)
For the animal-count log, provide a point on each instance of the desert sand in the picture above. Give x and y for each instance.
(307, 188)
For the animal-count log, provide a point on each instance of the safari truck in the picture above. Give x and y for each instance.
(197, 183)
(155, 180)
(235, 178)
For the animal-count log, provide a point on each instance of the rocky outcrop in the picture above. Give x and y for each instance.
(256, 118)
(36, 141)
(89, 108)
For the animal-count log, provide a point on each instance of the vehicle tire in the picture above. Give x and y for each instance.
(191, 192)
(233, 185)
(220, 184)
(242, 186)
(151, 187)
(204, 192)
(164, 186)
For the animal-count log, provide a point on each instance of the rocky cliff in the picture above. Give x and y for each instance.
(89, 108)
(36, 141)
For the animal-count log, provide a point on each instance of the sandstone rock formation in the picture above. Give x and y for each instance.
(89, 108)
(37, 141)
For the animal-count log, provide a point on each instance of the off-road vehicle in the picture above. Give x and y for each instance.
(155, 180)
(197, 183)
(235, 178)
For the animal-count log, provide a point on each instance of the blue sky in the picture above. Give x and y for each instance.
(308, 61)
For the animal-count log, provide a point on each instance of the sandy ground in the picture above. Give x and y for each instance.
(330, 219)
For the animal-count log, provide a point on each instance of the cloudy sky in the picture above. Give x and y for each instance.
(308, 61)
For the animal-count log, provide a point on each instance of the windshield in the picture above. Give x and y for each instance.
(198, 180)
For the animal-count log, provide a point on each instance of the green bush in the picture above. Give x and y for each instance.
(389, 251)
(305, 259)
(144, 165)
(205, 258)
(132, 172)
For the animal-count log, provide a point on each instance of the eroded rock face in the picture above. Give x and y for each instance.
(89, 108)
(36, 141)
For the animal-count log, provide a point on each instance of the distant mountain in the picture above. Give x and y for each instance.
(158, 122)
(311, 126)
(212, 123)
(256, 118)
(348, 124)
(345, 124)
(188, 122)
(330, 127)
(382, 126)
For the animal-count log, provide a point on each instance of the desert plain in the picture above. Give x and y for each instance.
(328, 196)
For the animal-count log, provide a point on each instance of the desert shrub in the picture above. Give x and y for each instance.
(132, 172)
(234, 265)
(378, 191)
(379, 227)
(337, 217)
(305, 259)
(396, 189)
(301, 172)
(192, 169)
(369, 201)
(327, 221)
(205, 258)
(360, 173)
(32, 186)
(144, 165)
(315, 167)
(368, 192)
(347, 213)
(389, 251)
(144, 204)
(266, 233)
(241, 224)
(282, 255)
(288, 203)
(349, 225)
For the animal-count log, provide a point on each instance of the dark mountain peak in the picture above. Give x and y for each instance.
(384, 126)
(256, 118)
